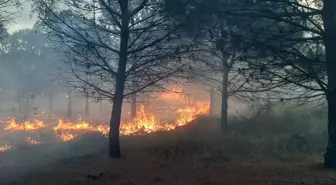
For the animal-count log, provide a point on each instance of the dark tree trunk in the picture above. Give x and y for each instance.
(101, 107)
(212, 101)
(330, 155)
(21, 106)
(329, 20)
(133, 106)
(268, 105)
(27, 110)
(69, 109)
(87, 106)
(134, 101)
(225, 96)
(114, 144)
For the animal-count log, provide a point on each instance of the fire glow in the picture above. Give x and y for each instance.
(26, 126)
(31, 141)
(5, 148)
(145, 122)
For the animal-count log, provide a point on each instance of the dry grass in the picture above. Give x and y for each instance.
(252, 152)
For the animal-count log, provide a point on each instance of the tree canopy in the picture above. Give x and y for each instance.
(28, 61)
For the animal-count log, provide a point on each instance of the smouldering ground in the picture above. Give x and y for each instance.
(193, 155)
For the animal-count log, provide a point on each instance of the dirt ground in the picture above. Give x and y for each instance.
(133, 170)
(149, 160)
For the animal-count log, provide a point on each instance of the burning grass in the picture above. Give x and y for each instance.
(145, 122)
(259, 150)
(4, 148)
(198, 153)
(31, 141)
(33, 125)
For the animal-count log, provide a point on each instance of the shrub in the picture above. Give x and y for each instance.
(284, 134)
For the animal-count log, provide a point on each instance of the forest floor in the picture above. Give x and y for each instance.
(181, 157)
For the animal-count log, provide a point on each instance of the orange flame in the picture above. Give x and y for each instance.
(26, 126)
(67, 131)
(6, 148)
(190, 113)
(145, 122)
(67, 136)
(31, 141)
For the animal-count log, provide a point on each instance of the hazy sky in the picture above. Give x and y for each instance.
(23, 19)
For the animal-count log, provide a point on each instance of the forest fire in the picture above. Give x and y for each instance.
(31, 141)
(190, 113)
(26, 126)
(5, 148)
(67, 131)
(145, 122)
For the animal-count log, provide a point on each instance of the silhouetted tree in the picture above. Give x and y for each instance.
(220, 50)
(8, 10)
(110, 44)
(329, 19)
(27, 66)
(291, 44)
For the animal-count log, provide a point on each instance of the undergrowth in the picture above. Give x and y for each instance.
(287, 136)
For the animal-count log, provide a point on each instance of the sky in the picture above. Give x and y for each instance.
(24, 19)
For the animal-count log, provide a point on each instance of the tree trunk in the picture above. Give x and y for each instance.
(133, 106)
(69, 109)
(26, 110)
(21, 106)
(114, 144)
(268, 104)
(329, 20)
(134, 101)
(225, 96)
(101, 108)
(87, 106)
(212, 101)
